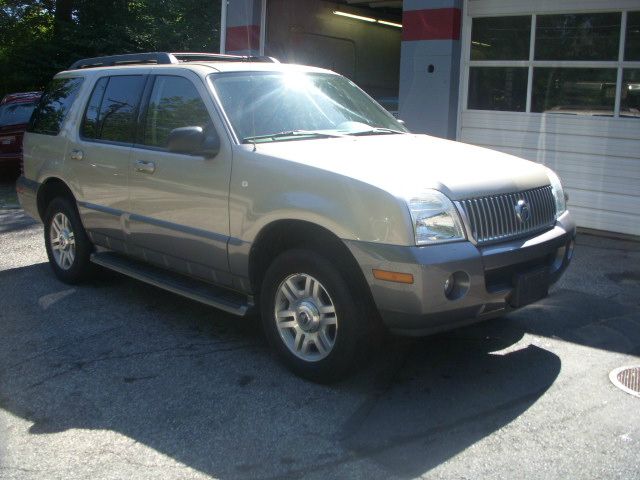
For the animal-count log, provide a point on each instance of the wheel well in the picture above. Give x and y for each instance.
(50, 189)
(287, 234)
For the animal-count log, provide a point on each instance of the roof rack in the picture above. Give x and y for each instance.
(164, 58)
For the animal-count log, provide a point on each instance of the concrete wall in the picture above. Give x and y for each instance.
(430, 66)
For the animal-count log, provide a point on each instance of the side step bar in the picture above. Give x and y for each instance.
(229, 301)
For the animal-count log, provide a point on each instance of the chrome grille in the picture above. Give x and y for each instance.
(494, 218)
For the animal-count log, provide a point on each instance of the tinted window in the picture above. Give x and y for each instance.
(632, 49)
(90, 125)
(500, 38)
(588, 36)
(119, 107)
(54, 105)
(498, 88)
(174, 103)
(589, 91)
(112, 109)
(16, 113)
(630, 97)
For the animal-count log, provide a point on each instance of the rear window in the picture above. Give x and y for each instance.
(112, 109)
(54, 106)
(15, 114)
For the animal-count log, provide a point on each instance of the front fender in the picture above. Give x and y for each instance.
(266, 189)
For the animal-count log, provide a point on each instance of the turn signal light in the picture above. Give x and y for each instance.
(397, 277)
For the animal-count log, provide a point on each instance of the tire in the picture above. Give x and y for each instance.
(68, 246)
(322, 330)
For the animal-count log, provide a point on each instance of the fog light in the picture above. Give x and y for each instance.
(457, 285)
(448, 285)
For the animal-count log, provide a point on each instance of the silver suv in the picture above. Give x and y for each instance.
(248, 184)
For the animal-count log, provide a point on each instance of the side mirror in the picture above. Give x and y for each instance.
(194, 141)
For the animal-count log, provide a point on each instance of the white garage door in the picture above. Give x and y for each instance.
(559, 83)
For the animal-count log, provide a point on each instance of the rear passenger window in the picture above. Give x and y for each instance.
(54, 106)
(90, 126)
(112, 108)
(174, 103)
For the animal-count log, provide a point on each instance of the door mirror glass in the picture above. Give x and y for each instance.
(194, 141)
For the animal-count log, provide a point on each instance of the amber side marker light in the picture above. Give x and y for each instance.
(393, 276)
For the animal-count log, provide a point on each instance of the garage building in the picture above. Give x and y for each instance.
(557, 82)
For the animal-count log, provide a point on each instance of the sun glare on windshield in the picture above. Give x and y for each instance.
(297, 81)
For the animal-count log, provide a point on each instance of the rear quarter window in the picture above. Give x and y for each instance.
(55, 105)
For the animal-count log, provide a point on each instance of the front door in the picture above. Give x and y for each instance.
(179, 203)
(98, 155)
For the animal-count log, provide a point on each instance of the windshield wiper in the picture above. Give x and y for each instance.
(293, 133)
(376, 131)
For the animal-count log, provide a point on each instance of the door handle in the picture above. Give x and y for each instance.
(145, 167)
(76, 155)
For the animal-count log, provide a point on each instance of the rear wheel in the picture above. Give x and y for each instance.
(67, 244)
(311, 318)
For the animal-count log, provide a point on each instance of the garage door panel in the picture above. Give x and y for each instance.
(627, 204)
(581, 125)
(606, 220)
(575, 114)
(627, 187)
(622, 167)
(551, 141)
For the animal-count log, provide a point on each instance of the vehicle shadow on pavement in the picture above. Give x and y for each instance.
(202, 388)
(450, 393)
(585, 320)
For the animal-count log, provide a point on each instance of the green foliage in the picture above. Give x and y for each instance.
(41, 37)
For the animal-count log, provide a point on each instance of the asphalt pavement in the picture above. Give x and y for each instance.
(117, 379)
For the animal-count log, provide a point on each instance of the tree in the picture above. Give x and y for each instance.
(41, 37)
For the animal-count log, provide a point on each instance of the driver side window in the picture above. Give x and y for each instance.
(174, 103)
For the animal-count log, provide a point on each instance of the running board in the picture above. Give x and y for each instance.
(229, 301)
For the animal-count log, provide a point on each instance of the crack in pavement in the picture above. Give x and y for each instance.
(79, 365)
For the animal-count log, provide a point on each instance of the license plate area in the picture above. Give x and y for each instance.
(529, 286)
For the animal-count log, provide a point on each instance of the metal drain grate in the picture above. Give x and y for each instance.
(627, 379)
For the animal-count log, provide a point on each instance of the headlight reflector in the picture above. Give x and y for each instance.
(435, 219)
(558, 193)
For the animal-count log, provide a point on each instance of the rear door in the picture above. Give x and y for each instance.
(100, 155)
(45, 145)
(179, 203)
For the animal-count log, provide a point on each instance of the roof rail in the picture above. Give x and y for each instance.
(164, 58)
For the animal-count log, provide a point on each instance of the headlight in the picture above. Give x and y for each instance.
(558, 193)
(435, 219)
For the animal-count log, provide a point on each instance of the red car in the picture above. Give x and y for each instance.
(15, 112)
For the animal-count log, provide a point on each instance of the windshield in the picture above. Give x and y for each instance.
(16, 113)
(276, 106)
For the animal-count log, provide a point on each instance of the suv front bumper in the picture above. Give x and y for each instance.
(486, 276)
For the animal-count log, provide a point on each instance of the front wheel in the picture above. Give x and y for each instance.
(68, 246)
(311, 318)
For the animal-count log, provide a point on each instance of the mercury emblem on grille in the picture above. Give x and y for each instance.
(522, 211)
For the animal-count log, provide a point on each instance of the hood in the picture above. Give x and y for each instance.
(404, 165)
